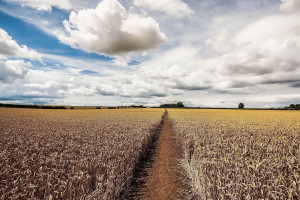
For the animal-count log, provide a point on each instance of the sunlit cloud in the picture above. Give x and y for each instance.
(110, 29)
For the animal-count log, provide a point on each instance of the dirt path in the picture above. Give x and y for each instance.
(165, 180)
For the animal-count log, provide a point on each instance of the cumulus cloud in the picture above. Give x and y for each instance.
(271, 57)
(12, 70)
(10, 48)
(43, 5)
(174, 8)
(219, 44)
(262, 56)
(253, 55)
(66, 84)
(177, 70)
(109, 29)
(290, 6)
(279, 27)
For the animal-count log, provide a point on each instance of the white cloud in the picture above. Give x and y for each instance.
(260, 53)
(258, 50)
(290, 6)
(177, 71)
(45, 85)
(174, 8)
(10, 48)
(109, 29)
(43, 5)
(12, 70)
(272, 56)
(219, 44)
(279, 27)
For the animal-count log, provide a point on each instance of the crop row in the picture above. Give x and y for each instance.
(240, 154)
(71, 154)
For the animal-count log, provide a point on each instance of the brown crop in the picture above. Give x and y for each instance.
(240, 154)
(71, 154)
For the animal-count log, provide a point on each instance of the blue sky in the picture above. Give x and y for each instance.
(213, 53)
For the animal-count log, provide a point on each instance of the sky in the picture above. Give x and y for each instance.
(204, 53)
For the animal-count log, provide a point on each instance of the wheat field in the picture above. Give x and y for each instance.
(240, 154)
(91, 154)
(71, 154)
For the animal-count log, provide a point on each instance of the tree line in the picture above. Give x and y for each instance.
(31, 106)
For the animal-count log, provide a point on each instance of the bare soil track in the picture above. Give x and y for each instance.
(165, 179)
(161, 177)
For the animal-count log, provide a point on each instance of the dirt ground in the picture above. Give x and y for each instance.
(165, 180)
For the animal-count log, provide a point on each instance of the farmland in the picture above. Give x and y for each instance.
(71, 154)
(240, 154)
(199, 154)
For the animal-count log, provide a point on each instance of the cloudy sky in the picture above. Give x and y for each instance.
(213, 53)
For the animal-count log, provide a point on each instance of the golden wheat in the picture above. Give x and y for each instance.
(71, 154)
(240, 154)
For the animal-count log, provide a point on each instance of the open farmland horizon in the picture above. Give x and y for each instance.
(175, 105)
(143, 99)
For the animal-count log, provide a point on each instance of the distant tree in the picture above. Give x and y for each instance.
(294, 106)
(180, 105)
(177, 105)
(241, 105)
